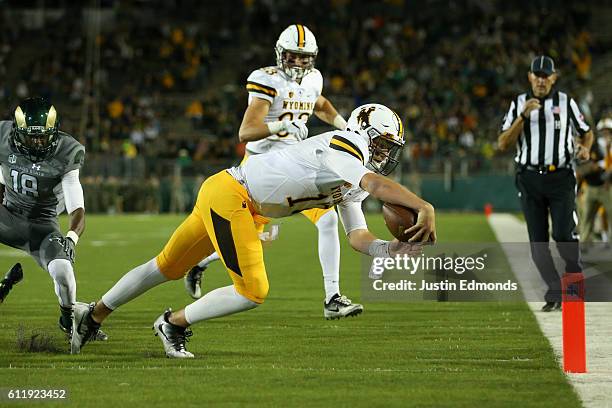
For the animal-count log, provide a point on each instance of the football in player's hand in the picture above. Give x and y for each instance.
(398, 219)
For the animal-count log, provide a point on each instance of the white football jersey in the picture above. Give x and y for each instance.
(319, 172)
(289, 100)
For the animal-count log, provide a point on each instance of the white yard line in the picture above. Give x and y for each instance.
(594, 387)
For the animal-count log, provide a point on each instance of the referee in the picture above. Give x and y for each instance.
(542, 125)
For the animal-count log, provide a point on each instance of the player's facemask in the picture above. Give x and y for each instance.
(35, 144)
(385, 153)
(296, 65)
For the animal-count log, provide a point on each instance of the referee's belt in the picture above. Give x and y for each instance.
(544, 169)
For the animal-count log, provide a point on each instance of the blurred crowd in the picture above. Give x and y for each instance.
(450, 69)
(165, 80)
(122, 80)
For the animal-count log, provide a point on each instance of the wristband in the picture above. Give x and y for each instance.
(525, 118)
(339, 122)
(74, 237)
(275, 127)
(379, 249)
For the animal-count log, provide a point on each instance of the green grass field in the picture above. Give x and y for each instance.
(283, 353)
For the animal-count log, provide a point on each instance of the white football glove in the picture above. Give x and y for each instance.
(270, 235)
(296, 127)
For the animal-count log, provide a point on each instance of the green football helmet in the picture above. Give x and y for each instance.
(35, 129)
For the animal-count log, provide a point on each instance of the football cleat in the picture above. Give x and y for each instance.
(173, 337)
(84, 328)
(65, 325)
(193, 281)
(12, 277)
(65, 320)
(551, 307)
(100, 336)
(341, 306)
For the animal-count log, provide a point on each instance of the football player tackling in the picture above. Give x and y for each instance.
(325, 170)
(281, 99)
(39, 174)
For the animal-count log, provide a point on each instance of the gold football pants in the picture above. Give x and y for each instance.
(222, 220)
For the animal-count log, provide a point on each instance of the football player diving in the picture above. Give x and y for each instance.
(281, 99)
(39, 178)
(320, 172)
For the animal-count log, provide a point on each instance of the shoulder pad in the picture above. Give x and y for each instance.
(263, 81)
(315, 73)
(70, 152)
(315, 80)
(351, 143)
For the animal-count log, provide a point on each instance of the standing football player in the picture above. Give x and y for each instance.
(323, 171)
(39, 177)
(281, 99)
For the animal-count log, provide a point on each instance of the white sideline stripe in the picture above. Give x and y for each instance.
(595, 387)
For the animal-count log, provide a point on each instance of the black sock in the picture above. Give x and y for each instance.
(66, 317)
(66, 312)
(91, 322)
(167, 317)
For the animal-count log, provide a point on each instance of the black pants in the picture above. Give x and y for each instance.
(555, 194)
(42, 240)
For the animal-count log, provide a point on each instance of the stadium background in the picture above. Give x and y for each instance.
(155, 89)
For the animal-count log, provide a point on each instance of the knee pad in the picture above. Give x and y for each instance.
(256, 290)
(263, 289)
(328, 221)
(170, 270)
(52, 249)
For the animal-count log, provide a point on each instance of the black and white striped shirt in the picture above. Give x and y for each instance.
(548, 137)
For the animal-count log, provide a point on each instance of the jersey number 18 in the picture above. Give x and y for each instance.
(24, 183)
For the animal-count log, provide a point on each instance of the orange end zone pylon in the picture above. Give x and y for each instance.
(574, 338)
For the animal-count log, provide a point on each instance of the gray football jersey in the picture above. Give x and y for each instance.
(34, 190)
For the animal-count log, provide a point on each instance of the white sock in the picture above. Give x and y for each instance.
(329, 253)
(208, 260)
(217, 303)
(133, 284)
(63, 277)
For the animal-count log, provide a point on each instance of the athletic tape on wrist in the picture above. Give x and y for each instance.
(379, 248)
(73, 236)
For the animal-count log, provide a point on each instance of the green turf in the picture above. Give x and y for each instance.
(282, 353)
